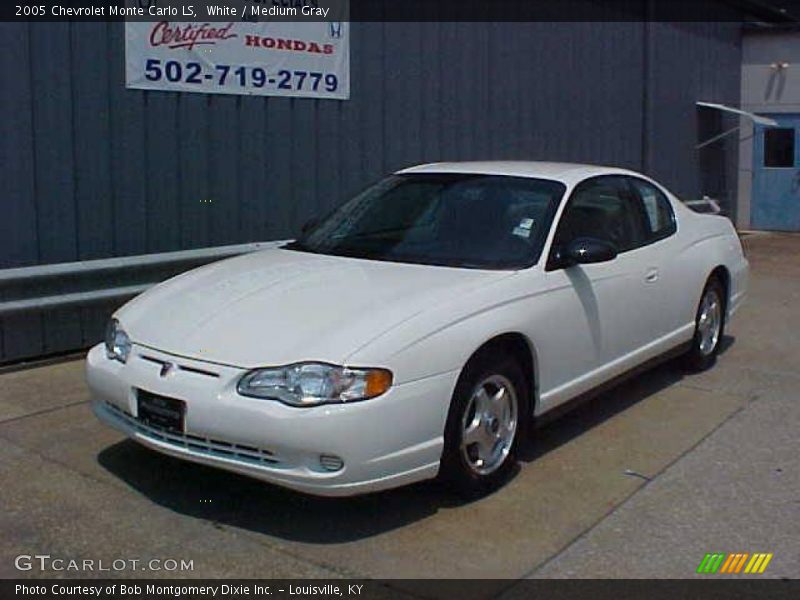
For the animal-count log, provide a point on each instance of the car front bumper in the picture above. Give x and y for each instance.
(385, 442)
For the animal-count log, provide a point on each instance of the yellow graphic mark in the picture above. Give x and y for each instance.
(758, 563)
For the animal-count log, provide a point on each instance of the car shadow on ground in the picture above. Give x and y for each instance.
(233, 500)
(606, 405)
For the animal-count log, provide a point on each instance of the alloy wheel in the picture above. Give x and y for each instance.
(489, 424)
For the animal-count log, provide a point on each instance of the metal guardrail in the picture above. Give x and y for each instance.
(61, 285)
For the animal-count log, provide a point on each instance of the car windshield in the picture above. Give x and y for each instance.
(449, 219)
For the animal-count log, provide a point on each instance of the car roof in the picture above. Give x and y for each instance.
(560, 171)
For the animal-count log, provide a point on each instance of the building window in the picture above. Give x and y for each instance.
(779, 147)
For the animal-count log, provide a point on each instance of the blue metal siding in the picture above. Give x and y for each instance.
(92, 170)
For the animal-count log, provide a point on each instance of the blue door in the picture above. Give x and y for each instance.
(775, 203)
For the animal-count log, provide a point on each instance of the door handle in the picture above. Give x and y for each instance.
(651, 276)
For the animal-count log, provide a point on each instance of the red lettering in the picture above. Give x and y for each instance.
(189, 36)
(286, 44)
(158, 30)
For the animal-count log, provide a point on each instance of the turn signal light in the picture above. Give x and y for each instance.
(378, 381)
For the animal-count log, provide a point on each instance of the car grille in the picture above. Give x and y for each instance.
(194, 443)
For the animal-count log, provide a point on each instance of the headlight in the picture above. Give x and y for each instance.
(311, 384)
(118, 344)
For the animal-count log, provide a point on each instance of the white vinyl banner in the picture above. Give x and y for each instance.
(279, 58)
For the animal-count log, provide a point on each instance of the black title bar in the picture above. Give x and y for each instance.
(707, 588)
(766, 11)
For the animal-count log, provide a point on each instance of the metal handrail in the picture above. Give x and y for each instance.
(44, 300)
(141, 260)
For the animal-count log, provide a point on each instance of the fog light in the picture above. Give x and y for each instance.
(331, 463)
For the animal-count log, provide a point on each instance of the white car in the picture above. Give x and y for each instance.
(419, 328)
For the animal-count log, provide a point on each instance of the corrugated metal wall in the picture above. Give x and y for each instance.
(91, 170)
(690, 62)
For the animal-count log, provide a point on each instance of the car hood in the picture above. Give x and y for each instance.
(281, 306)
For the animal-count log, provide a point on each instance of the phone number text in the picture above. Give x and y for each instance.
(174, 71)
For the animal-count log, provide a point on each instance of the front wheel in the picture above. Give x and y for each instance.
(487, 417)
(709, 327)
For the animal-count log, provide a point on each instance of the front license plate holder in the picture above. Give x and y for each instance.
(161, 412)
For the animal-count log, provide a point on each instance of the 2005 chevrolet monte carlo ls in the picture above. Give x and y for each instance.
(419, 328)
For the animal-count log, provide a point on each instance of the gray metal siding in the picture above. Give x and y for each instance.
(92, 170)
(690, 62)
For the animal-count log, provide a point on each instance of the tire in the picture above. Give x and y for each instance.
(475, 468)
(709, 327)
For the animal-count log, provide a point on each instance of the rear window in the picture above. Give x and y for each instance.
(659, 217)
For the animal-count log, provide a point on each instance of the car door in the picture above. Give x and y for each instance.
(660, 255)
(600, 314)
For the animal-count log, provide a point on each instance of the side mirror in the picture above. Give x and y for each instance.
(585, 251)
(309, 225)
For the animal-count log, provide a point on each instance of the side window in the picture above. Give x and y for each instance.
(602, 208)
(659, 217)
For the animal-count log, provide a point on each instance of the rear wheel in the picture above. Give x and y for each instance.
(709, 327)
(487, 417)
